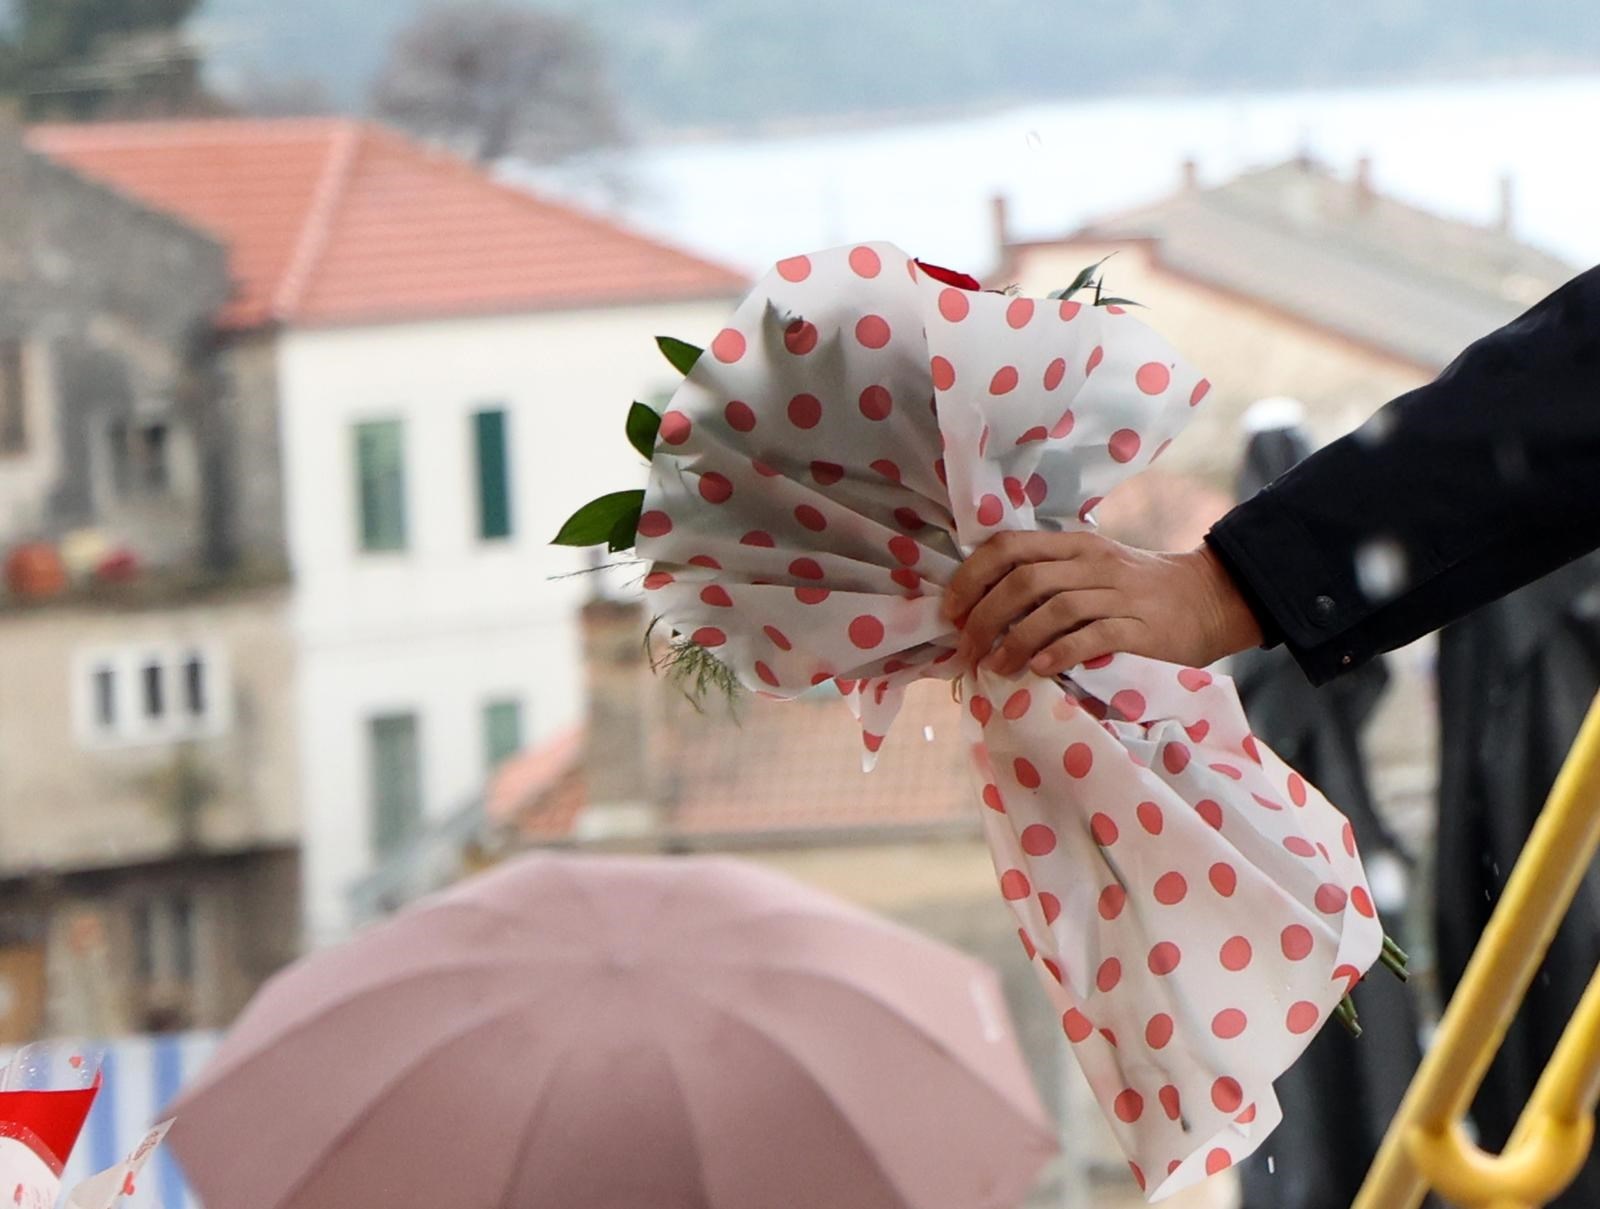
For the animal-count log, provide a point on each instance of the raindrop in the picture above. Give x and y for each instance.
(1381, 569)
(1272, 1164)
(1034, 141)
(1494, 867)
(927, 734)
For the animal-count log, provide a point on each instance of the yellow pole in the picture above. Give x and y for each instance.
(1425, 1145)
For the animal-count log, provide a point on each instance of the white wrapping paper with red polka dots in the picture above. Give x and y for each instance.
(1195, 909)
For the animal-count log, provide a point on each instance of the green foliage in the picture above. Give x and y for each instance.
(680, 353)
(612, 519)
(643, 424)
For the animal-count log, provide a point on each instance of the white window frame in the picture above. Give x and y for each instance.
(132, 727)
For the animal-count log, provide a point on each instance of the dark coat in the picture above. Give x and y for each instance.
(1450, 496)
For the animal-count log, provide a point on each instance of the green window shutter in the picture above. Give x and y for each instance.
(502, 732)
(381, 484)
(396, 759)
(494, 474)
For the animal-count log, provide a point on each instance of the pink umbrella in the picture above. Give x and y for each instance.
(621, 1033)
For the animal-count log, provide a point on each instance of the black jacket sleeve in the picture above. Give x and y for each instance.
(1450, 496)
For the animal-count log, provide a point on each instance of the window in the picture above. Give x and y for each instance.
(381, 484)
(105, 698)
(145, 694)
(153, 678)
(494, 474)
(13, 401)
(396, 780)
(150, 454)
(163, 939)
(502, 732)
(194, 685)
(140, 456)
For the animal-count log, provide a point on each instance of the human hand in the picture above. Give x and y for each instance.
(1055, 600)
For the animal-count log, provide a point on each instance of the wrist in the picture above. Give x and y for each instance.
(1231, 625)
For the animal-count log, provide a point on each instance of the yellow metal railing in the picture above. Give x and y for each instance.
(1427, 1146)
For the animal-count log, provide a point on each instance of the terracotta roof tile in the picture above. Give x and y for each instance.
(333, 221)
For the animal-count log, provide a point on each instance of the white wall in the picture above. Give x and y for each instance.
(451, 622)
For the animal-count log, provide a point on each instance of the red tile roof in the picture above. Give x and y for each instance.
(335, 221)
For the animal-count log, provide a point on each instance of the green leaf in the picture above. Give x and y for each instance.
(643, 424)
(682, 354)
(625, 533)
(597, 520)
(1118, 302)
(1084, 277)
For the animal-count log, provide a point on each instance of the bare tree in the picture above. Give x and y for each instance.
(495, 79)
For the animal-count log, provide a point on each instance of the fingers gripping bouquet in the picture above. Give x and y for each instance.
(1195, 909)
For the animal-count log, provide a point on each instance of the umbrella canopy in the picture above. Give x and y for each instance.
(1515, 680)
(1339, 1098)
(621, 1033)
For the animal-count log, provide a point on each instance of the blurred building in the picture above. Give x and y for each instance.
(429, 369)
(147, 830)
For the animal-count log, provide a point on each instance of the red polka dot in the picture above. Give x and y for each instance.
(1138, 1175)
(675, 428)
(1099, 661)
(1171, 889)
(1247, 1116)
(888, 469)
(1299, 845)
(761, 468)
(1027, 775)
(1198, 731)
(1017, 704)
(990, 510)
(739, 416)
(708, 636)
(1078, 759)
(864, 262)
(1297, 789)
(1051, 906)
(800, 337)
(1164, 958)
(1194, 679)
(655, 524)
(905, 549)
(1129, 704)
(1235, 953)
(982, 709)
(1250, 749)
(1201, 389)
(1297, 942)
(716, 596)
(1223, 877)
(1063, 426)
(1349, 975)
(777, 638)
(1069, 309)
(993, 800)
(1103, 829)
(1027, 943)
(1111, 1038)
(1036, 489)
(1129, 1106)
(1330, 899)
(1112, 899)
(1219, 1160)
(1159, 1031)
(1089, 505)
(715, 488)
(657, 579)
(866, 631)
(1228, 1023)
(805, 411)
(1227, 1095)
(1020, 312)
(906, 578)
(806, 568)
(728, 347)
(1109, 974)
(944, 374)
(1053, 968)
(1211, 812)
(1303, 1017)
(872, 331)
(1014, 491)
(1037, 433)
(1076, 1026)
(938, 471)
(1153, 377)
(1014, 885)
(1038, 840)
(1150, 817)
(826, 473)
(795, 268)
(1266, 803)
(1055, 373)
(810, 518)
(1175, 757)
(1172, 1105)
(1362, 901)
(876, 403)
(811, 596)
(1004, 381)
(1124, 445)
(953, 304)
(1095, 357)
(766, 674)
(1349, 839)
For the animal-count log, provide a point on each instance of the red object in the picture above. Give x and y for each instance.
(118, 567)
(331, 220)
(35, 570)
(963, 281)
(52, 1118)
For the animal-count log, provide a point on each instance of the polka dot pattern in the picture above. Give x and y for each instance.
(849, 431)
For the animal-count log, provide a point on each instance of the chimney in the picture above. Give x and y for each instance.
(14, 258)
(1504, 217)
(621, 801)
(1365, 193)
(1189, 175)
